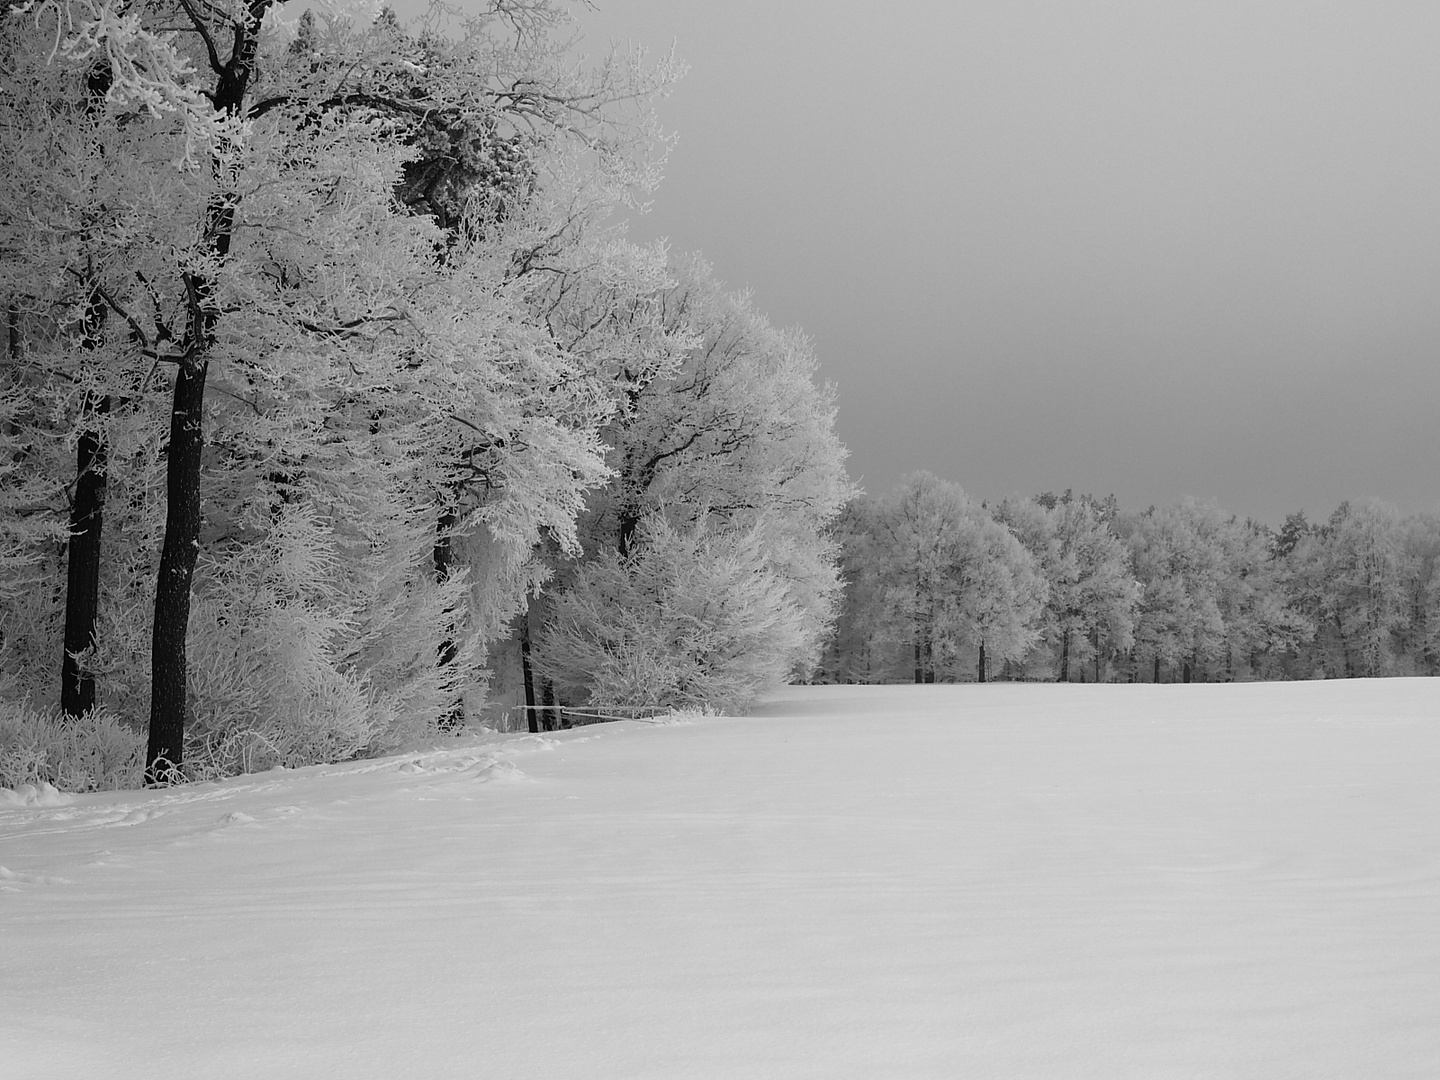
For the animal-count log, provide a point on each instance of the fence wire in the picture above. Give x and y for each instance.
(560, 717)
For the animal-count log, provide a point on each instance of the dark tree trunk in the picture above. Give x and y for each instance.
(629, 521)
(1157, 667)
(177, 571)
(82, 584)
(980, 667)
(532, 715)
(1064, 675)
(187, 437)
(552, 714)
(444, 555)
(1185, 672)
(919, 658)
(87, 509)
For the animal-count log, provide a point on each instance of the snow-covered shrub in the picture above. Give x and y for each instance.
(94, 753)
(691, 619)
(307, 648)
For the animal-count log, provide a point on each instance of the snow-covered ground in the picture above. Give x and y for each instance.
(981, 881)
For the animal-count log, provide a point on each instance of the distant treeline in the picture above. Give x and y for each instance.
(943, 588)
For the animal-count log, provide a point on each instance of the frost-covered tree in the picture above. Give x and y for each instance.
(1216, 602)
(1092, 593)
(1364, 580)
(1421, 644)
(948, 580)
(694, 617)
(1180, 558)
(335, 289)
(741, 429)
(859, 650)
(95, 118)
(1003, 596)
(720, 422)
(1262, 626)
(1358, 569)
(920, 531)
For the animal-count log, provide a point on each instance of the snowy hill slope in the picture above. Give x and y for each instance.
(985, 881)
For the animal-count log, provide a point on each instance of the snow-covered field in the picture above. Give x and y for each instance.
(980, 881)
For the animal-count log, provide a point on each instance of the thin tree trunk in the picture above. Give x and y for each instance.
(1157, 667)
(552, 714)
(87, 508)
(629, 521)
(532, 715)
(82, 584)
(1344, 648)
(1064, 675)
(980, 668)
(453, 716)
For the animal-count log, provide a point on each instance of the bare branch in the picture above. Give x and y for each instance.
(199, 23)
(114, 306)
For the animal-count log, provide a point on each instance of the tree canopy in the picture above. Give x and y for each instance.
(326, 356)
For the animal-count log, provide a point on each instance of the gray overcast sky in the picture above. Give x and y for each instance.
(1155, 248)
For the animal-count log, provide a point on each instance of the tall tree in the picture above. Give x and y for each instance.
(720, 424)
(858, 651)
(1092, 597)
(353, 343)
(950, 580)
(1368, 572)
(1179, 556)
(1421, 544)
(919, 529)
(78, 222)
(1003, 596)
